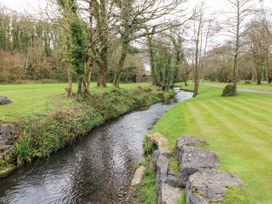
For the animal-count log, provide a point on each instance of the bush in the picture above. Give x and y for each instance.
(229, 91)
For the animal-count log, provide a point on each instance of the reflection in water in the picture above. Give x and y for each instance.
(98, 169)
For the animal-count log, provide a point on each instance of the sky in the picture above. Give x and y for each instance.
(37, 5)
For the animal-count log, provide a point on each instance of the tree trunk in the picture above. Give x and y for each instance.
(152, 62)
(236, 54)
(235, 67)
(69, 89)
(120, 67)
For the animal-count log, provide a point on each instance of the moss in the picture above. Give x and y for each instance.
(6, 169)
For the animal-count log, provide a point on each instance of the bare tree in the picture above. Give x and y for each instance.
(241, 10)
(198, 28)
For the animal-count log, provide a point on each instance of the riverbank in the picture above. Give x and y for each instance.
(39, 135)
(238, 129)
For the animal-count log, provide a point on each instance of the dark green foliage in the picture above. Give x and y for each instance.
(165, 67)
(229, 91)
(78, 46)
(47, 133)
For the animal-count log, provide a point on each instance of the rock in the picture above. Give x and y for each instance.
(6, 139)
(194, 160)
(153, 162)
(169, 194)
(162, 169)
(158, 142)
(166, 183)
(172, 180)
(209, 186)
(138, 176)
(187, 141)
(7, 171)
(6, 133)
(4, 100)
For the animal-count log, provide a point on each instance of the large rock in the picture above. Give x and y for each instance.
(194, 160)
(4, 100)
(187, 141)
(6, 139)
(166, 193)
(209, 186)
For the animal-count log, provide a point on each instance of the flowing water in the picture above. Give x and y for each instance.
(96, 170)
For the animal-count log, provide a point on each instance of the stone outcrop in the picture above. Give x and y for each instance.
(6, 138)
(209, 186)
(167, 190)
(194, 160)
(4, 100)
(187, 141)
(203, 183)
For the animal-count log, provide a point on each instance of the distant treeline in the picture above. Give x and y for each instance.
(34, 50)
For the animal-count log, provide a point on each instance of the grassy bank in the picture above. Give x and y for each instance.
(238, 129)
(43, 133)
(29, 99)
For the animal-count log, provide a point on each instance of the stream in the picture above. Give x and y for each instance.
(98, 169)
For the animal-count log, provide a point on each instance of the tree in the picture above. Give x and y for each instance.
(77, 43)
(198, 27)
(259, 40)
(133, 17)
(241, 10)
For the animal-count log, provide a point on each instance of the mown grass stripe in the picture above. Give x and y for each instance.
(243, 131)
(247, 118)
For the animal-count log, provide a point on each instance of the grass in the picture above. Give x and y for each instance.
(146, 194)
(263, 87)
(238, 129)
(29, 99)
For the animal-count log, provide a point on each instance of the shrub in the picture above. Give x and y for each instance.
(229, 91)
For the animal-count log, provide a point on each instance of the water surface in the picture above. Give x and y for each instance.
(97, 170)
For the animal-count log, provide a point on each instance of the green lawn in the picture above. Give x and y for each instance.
(30, 99)
(238, 129)
(264, 87)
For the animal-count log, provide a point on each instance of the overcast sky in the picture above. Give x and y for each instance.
(36, 5)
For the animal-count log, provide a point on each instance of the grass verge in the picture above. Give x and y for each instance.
(238, 129)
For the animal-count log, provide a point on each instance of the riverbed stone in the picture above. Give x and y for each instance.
(209, 186)
(188, 141)
(194, 160)
(4, 100)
